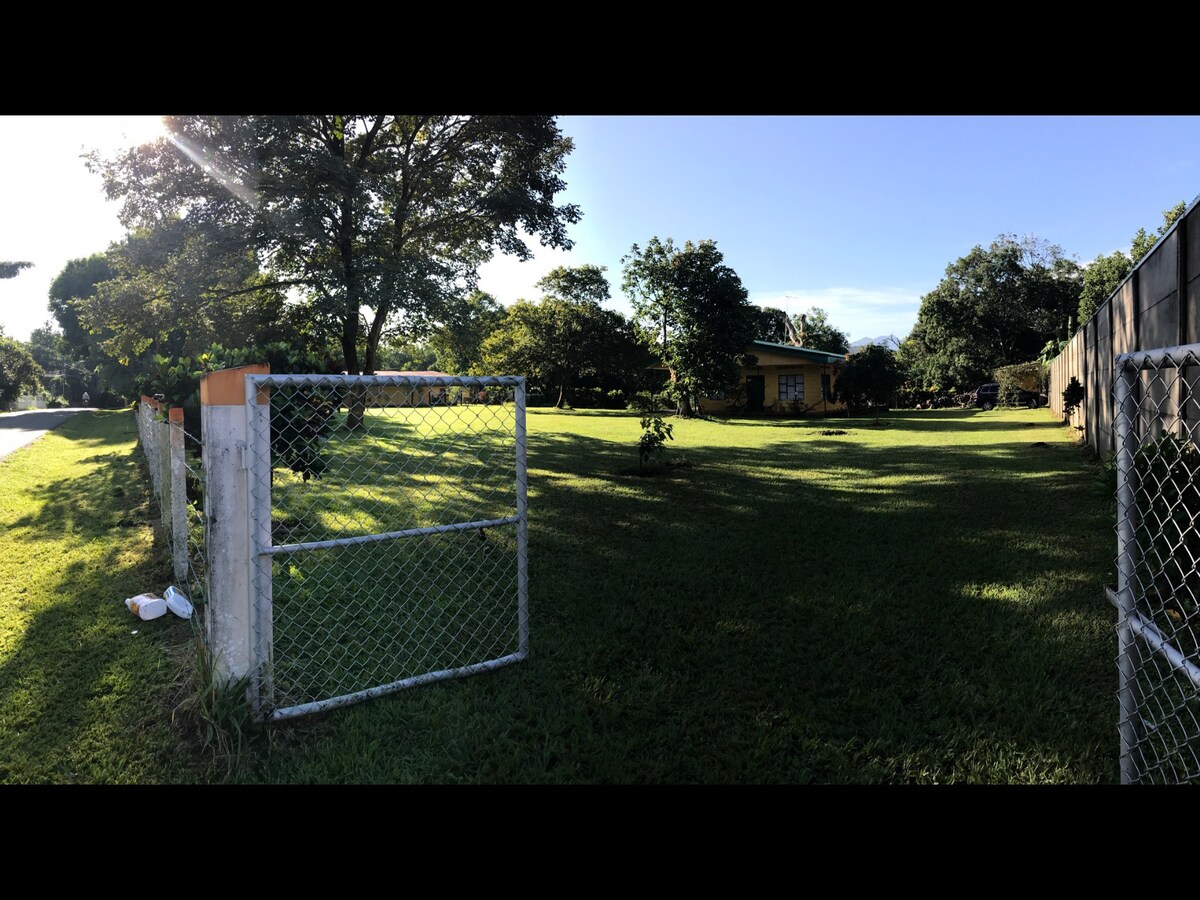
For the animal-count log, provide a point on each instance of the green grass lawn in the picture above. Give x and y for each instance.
(916, 602)
(85, 687)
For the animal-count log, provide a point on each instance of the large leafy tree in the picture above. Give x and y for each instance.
(772, 325)
(1143, 242)
(1100, 278)
(12, 269)
(48, 349)
(578, 284)
(75, 285)
(466, 321)
(869, 378)
(821, 334)
(159, 292)
(406, 356)
(1105, 274)
(565, 339)
(995, 307)
(174, 293)
(557, 345)
(376, 217)
(19, 373)
(692, 311)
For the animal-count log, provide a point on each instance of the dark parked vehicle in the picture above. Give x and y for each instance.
(986, 395)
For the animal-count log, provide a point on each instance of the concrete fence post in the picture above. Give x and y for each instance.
(162, 430)
(148, 408)
(232, 556)
(179, 502)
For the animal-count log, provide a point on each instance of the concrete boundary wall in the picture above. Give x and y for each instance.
(1155, 306)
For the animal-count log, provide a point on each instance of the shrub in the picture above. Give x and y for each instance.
(653, 442)
(1072, 397)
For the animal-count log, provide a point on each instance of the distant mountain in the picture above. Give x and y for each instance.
(887, 340)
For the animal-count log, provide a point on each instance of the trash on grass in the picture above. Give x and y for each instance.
(177, 602)
(147, 606)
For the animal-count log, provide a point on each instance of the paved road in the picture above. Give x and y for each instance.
(21, 428)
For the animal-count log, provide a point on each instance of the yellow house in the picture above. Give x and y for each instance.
(403, 395)
(785, 379)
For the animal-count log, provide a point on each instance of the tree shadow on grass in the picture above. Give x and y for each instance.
(929, 614)
(906, 611)
(84, 686)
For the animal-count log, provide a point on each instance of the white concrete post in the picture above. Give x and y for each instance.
(179, 505)
(149, 408)
(162, 430)
(231, 554)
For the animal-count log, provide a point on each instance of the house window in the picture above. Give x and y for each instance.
(791, 387)
(826, 389)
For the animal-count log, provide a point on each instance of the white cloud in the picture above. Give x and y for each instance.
(861, 312)
(508, 279)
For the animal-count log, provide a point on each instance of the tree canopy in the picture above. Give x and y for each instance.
(19, 373)
(379, 215)
(1105, 274)
(772, 325)
(869, 378)
(692, 310)
(74, 286)
(578, 284)
(466, 323)
(564, 339)
(12, 269)
(995, 307)
(818, 333)
(1143, 242)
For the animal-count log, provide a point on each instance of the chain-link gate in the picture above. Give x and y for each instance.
(388, 514)
(1158, 563)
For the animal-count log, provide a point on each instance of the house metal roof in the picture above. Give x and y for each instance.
(817, 356)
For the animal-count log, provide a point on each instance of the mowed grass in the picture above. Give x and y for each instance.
(916, 602)
(85, 687)
(352, 618)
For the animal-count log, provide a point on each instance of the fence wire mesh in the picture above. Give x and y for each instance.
(389, 515)
(195, 526)
(1158, 563)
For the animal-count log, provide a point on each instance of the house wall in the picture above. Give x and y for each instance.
(401, 395)
(812, 373)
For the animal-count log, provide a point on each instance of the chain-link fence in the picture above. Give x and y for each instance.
(388, 515)
(1158, 563)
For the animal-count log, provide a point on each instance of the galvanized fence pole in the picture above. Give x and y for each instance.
(522, 523)
(1127, 444)
(258, 413)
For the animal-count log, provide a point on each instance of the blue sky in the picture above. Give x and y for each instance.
(857, 215)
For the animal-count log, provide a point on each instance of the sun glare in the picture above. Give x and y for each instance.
(213, 171)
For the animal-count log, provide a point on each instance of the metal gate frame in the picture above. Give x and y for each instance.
(259, 464)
